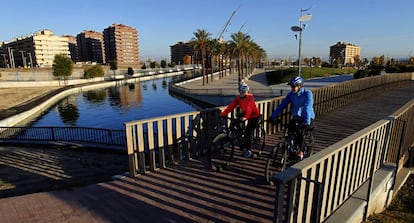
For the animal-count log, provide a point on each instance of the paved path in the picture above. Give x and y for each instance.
(257, 83)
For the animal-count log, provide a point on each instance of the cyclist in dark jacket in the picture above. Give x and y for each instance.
(301, 107)
(247, 104)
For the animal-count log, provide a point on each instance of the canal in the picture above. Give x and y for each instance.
(113, 106)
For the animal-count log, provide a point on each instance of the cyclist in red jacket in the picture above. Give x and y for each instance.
(247, 104)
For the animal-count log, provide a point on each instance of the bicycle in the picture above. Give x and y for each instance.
(285, 151)
(222, 148)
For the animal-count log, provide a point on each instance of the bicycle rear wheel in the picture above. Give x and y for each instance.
(258, 139)
(276, 161)
(221, 152)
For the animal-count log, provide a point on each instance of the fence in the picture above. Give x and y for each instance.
(65, 134)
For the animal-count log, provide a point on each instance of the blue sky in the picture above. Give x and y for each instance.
(379, 27)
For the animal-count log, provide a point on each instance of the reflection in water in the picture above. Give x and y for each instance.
(95, 96)
(111, 107)
(68, 111)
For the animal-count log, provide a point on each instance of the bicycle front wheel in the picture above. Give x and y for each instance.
(276, 162)
(221, 152)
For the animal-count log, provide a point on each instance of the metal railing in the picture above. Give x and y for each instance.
(95, 136)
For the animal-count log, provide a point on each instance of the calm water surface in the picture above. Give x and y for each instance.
(113, 106)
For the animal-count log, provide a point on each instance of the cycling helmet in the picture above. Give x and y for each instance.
(296, 81)
(243, 88)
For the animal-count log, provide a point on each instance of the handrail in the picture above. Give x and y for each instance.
(345, 166)
(96, 136)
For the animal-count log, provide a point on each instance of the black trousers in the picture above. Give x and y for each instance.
(251, 125)
(296, 127)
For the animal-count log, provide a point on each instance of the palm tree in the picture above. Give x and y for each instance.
(239, 45)
(200, 43)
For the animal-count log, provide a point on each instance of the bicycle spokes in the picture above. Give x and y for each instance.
(221, 152)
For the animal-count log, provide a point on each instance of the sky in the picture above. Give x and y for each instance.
(378, 27)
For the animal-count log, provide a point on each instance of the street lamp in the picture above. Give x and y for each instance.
(300, 28)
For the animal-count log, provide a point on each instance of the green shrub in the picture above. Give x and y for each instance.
(95, 71)
(360, 74)
(130, 71)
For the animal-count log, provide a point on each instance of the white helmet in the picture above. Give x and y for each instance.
(243, 88)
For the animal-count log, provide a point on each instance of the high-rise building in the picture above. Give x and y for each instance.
(121, 44)
(346, 52)
(38, 49)
(73, 48)
(179, 51)
(91, 46)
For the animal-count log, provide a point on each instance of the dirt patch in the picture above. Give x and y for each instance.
(11, 97)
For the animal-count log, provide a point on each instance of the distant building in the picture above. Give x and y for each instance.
(73, 48)
(181, 50)
(346, 52)
(121, 44)
(91, 46)
(36, 50)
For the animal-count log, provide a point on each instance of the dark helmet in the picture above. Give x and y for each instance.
(296, 81)
(243, 88)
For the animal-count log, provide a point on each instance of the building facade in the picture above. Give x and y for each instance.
(346, 52)
(91, 46)
(179, 51)
(73, 48)
(37, 50)
(121, 44)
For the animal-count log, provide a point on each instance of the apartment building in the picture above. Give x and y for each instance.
(38, 49)
(73, 48)
(121, 44)
(346, 52)
(91, 46)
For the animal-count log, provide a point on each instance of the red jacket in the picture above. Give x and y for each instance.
(246, 104)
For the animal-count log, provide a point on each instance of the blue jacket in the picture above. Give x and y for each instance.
(301, 105)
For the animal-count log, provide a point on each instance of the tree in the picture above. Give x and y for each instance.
(239, 46)
(163, 63)
(130, 71)
(200, 42)
(114, 66)
(62, 66)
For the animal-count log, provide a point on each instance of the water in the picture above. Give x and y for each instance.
(111, 107)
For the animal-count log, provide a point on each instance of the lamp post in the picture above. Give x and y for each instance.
(300, 28)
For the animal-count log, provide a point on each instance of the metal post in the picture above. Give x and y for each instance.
(371, 178)
(23, 58)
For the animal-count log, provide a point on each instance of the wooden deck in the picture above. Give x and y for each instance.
(191, 192)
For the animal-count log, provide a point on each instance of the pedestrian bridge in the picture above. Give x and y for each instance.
(364, 128)
(363, 134)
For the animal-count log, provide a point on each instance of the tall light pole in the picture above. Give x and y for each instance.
(300, 28)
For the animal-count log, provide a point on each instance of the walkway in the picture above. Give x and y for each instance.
(257, 82)
(190, 192)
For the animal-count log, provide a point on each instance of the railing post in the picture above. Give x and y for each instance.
(53, 133)
(371, 178)
(283, 211)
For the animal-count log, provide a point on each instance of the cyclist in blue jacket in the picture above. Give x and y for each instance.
(301, 107)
